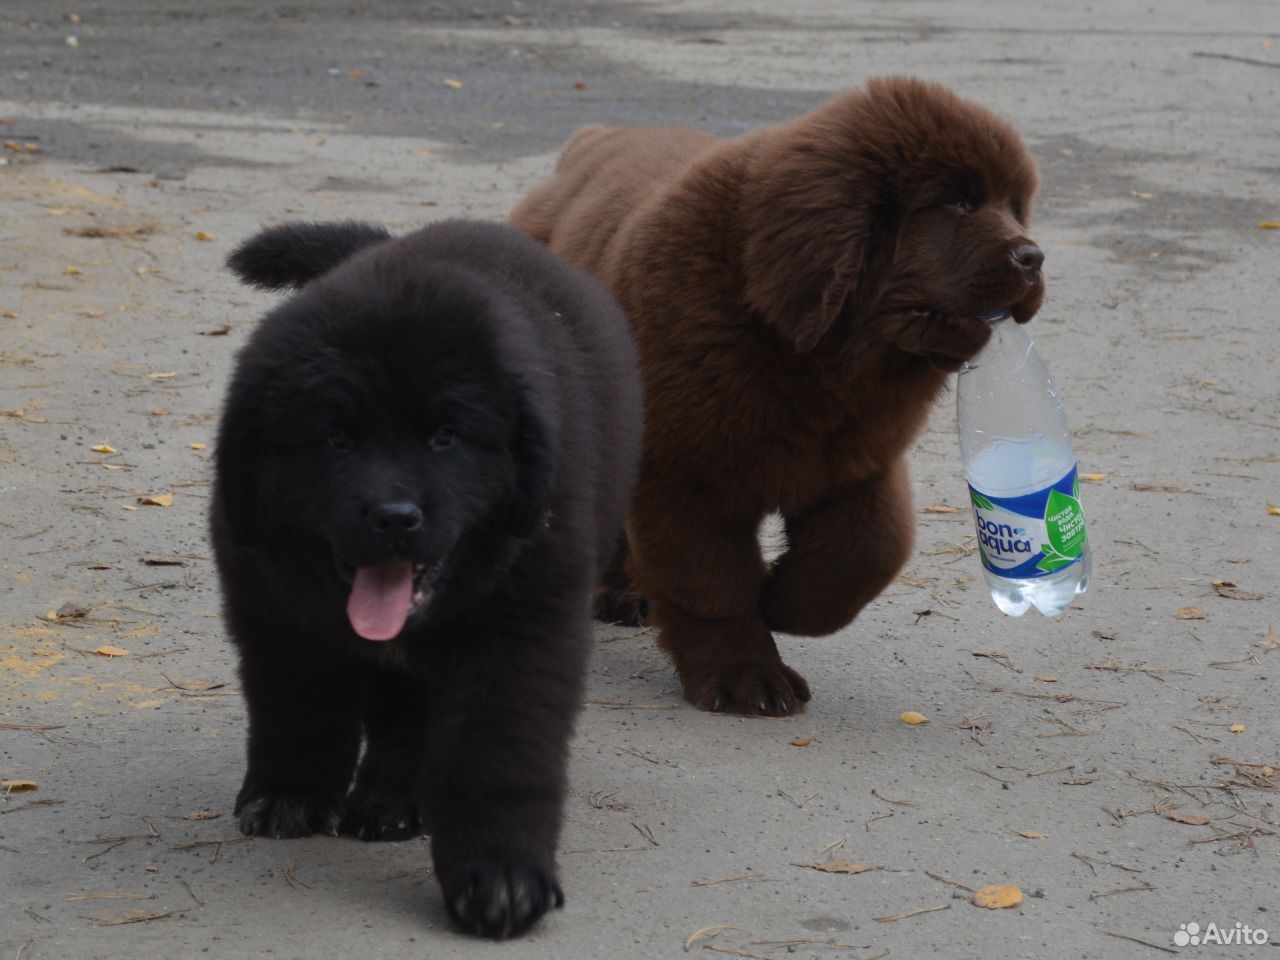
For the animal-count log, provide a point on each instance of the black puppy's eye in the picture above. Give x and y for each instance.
(443, 438)
(338, 441)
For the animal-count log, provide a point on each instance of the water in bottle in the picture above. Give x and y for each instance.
(1022, 476)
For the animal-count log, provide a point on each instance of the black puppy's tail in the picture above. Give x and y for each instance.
(294, 254)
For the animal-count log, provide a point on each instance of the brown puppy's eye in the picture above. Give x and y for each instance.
(958, 204)
(338, 441)
(443, 438)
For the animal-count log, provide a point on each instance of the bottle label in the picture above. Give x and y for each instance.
(1033, 535)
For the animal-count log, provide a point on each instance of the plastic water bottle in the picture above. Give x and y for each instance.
(1022, 476)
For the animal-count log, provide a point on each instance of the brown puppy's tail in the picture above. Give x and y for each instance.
(294, 254)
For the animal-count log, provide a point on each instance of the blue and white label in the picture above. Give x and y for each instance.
(1033, 535)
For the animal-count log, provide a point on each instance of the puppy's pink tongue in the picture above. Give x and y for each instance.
(380, 599)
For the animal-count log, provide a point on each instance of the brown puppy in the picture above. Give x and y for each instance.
(799, 295)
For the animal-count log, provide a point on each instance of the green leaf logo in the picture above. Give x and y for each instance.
(1064, 526)
(1053, 560)
(979, 501)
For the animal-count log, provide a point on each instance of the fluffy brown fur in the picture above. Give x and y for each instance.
(799, 295)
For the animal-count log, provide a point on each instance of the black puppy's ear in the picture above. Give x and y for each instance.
(294, 254)
(535, 452)
(237, 459)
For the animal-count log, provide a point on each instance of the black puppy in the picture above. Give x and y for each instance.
(421, 472)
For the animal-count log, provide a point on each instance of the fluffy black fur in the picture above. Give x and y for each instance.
(461, 403)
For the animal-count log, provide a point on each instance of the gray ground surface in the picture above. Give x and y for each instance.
(1056, 748)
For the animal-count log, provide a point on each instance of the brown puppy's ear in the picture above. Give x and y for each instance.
(809, 221)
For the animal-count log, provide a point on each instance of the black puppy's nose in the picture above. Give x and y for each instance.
(398, 516)
(1027, 256)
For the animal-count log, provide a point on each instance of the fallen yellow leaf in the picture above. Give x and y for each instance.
(801, 741)
(18, 786)
(1032, 835)
(997, 896)
(913, 718)
(157, 500)
(1046, 678)
(103, 448)
(453, 84)
(1237, 728)
(1273, 510)
(197, 445)
(72, 270)
(109, 651)
(941, 508)
(203, 237)
(1190, 613)
(1269, 224)
(1092, 477)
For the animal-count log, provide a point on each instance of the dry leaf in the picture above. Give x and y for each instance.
(1092, 477)
(1237, 728)
(801, 741)
(941, 508)
(1046, 678)
(166, 375)
(18, 786)
(1272, 510)
(1194, 819)
(221, 331)
(579, 85)
(997, 896)
(110, 651)
(1269, 224)
(913, 718)
(1190, 613)
(157, 500)
(72, 270)
(103, 448)
(453, 84)
(203, 237)
(197, 445)
(1032, 835)
(8, 314)
(70, 611)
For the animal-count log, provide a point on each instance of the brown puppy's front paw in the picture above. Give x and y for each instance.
(751, 688)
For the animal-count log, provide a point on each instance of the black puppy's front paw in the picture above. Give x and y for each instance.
(498, 898)
(375, 813)
(284, 814)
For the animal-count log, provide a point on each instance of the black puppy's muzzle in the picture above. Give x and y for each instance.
(394, 520)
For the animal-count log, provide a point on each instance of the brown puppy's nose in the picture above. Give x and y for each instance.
(1027, 256)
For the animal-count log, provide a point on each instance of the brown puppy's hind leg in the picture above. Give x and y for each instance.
(840, 554)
